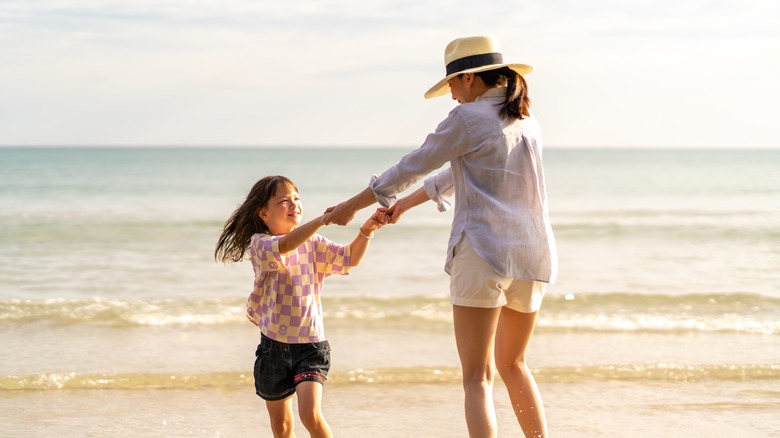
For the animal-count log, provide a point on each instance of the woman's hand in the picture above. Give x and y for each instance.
(376, 221)
(343, 213)
(405, 204)
(380, 217)
(393, 213)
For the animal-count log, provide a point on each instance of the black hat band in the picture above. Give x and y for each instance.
(474, 61)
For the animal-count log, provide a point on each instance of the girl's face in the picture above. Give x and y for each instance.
(282, 213)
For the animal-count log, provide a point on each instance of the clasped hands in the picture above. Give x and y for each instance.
(343, 213)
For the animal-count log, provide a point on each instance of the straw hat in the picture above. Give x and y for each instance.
(472, 55)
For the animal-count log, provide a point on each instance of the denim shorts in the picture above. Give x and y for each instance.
(280, 367)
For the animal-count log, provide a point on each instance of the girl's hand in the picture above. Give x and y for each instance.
(405, 204)
(375, 222)
(393, 213)
(381, 217)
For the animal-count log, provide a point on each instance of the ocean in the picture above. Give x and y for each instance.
(115, 319)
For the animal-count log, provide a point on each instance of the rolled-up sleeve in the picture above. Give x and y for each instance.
(449, 141)
(384, 201)
(440, 188)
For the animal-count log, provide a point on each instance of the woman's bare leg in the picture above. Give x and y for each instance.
(310, 409)
(475, 330)
(512, 338)
(281, 414)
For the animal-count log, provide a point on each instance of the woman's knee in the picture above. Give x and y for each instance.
(478, 375)
(511, 368)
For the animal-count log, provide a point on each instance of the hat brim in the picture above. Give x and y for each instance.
(442, 87)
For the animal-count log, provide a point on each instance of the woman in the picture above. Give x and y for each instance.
(501, 251)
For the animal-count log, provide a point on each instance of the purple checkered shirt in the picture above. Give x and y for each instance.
(285, 302)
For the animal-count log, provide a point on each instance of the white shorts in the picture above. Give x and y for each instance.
(474, 283)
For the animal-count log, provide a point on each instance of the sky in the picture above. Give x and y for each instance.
(638, 73)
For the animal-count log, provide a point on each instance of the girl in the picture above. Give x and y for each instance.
(290, 263)
(502, 251)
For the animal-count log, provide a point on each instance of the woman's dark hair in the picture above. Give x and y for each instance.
(245, 221)
(517, 104)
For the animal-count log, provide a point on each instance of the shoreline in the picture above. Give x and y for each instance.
(403, 410)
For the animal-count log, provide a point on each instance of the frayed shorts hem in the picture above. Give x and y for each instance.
(276, 397)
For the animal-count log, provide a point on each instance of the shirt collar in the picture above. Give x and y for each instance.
(492, 93)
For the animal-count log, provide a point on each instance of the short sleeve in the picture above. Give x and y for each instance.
(264, 253)
(330, 258)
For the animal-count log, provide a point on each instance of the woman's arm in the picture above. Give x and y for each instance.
(359, 246)
(449, 141)
(405, 204)
(343, 213)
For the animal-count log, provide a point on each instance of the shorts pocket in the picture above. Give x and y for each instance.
(322, 346)
(262, 352)
(320, 360)
(263, 348)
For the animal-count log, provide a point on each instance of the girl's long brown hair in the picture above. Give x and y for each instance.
(517, 104)
(245, 221)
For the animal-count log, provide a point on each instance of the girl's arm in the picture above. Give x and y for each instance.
(300, 234)
(358, 247)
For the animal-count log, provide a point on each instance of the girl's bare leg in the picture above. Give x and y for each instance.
(475, 330)
(310, 409)
(512, 338)
(281, 414)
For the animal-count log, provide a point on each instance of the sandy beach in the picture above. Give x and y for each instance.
(392, 411)
(373, 392)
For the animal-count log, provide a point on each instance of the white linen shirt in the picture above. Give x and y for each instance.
(497, 176)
